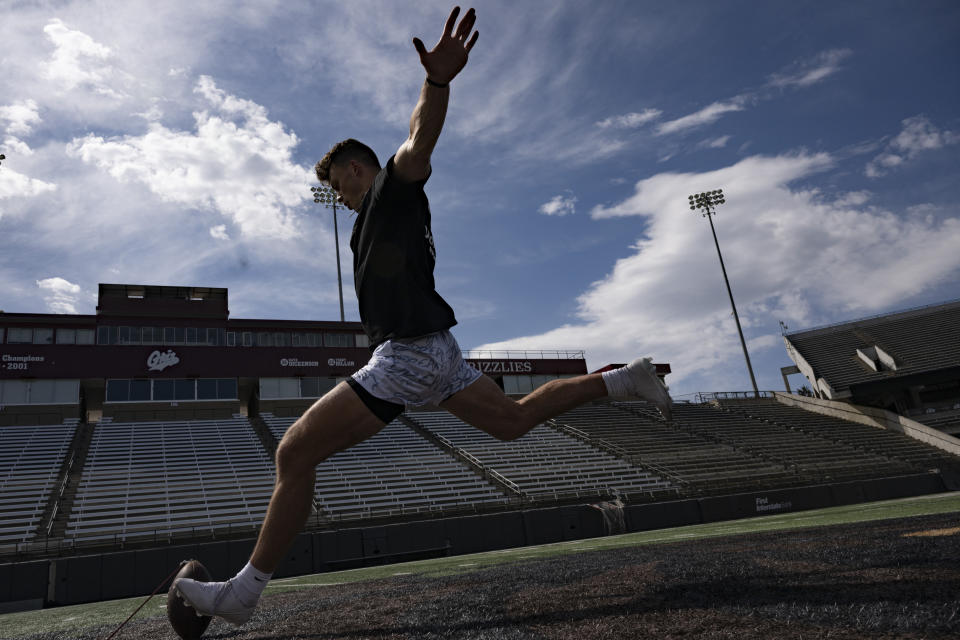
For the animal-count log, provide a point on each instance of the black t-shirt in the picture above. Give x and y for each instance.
(393, 260)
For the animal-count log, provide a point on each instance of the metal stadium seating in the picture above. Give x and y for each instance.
(202, 477)
(865, 438)
(693, 460)
(157, 478)
(30, 460)
(815, 457)
(396, 471)
(544, 461)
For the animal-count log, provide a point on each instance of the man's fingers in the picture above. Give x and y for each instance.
(418, 45)
(473, 41)
(451, 21)
(466, 24)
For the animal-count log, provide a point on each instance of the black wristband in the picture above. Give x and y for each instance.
(437, 84)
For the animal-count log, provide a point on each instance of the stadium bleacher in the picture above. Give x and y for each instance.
(397, 471)
(146, 479)
(698, 462)
(864, 438)
(30, 461)
(545, 462)
(815, 458)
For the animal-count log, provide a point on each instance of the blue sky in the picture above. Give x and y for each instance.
(173, 144)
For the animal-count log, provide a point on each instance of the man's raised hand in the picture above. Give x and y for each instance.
(449, 56)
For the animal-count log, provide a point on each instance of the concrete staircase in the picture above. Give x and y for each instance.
(53, 524)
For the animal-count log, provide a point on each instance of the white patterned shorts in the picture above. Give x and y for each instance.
(417, 371)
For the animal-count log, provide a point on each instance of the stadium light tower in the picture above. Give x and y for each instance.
(327, 197)
(708, 201)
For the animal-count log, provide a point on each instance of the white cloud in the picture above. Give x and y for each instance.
(560, 205)
(917, 135)
(228, 160)
(801, 74)
(243, 169)
(567, 144)
(20, 117)
(767, 341)
(630, 120)
(153, 114)
(808, 72)
(16, 146)
(789, 256)
(853, 198)
(80, 61)
(219, 232)
(60, 295)
(710, 113)
(715, 143)
(13, 185)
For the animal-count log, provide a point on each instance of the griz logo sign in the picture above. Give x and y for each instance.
(160, 361)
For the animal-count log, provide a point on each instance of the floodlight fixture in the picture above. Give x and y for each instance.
(325, 196)
(709, 201)
(706, 200)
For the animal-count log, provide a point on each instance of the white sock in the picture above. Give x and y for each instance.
(251, 582)
(616, 381)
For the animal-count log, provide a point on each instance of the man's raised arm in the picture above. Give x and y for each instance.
(442, 64)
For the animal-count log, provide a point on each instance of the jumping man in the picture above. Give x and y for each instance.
(416, 360)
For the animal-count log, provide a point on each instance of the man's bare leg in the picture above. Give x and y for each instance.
(484, 404)
(335, 422)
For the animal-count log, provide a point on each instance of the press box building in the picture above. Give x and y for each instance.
(173, 353)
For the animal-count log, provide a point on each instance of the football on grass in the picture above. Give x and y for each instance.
(183, 618)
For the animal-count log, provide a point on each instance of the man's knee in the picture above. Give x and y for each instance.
(507, 433)
(291, 458)
(510, 424)
(297, 452)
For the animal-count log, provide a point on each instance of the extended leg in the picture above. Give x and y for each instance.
(484, 405)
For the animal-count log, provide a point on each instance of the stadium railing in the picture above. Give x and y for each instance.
(483, 354)
(710, 396)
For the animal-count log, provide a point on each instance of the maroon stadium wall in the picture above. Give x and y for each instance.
(98, 361)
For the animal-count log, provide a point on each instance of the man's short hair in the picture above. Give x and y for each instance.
(345, 151)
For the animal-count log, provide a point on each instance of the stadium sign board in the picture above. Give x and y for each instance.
(19, 362)
(159, 361)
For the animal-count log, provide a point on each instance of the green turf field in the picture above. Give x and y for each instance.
(65, 619)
